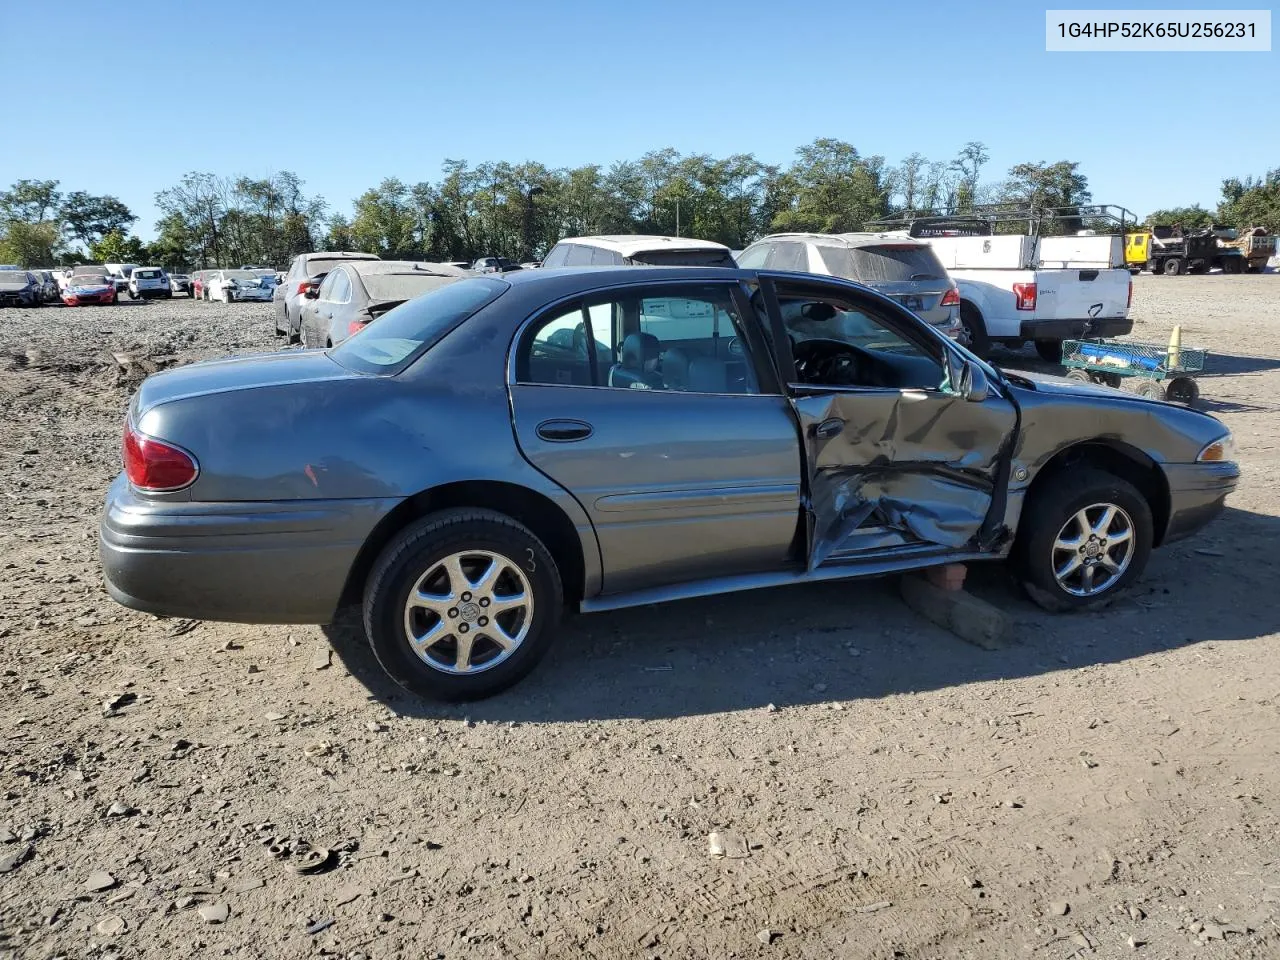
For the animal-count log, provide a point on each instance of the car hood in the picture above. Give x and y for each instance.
(1046, 383)
(237, 373)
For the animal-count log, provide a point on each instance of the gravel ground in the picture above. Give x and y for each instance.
(1106, 787)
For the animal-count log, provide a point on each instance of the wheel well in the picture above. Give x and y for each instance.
(536, 511)
(1124, 461)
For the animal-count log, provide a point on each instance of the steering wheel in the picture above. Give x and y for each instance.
(827, 361)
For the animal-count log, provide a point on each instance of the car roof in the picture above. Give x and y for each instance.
(338, 255)
(852, 239)
(629, 245)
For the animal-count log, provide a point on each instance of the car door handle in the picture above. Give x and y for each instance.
(563, 431)
(829, 428)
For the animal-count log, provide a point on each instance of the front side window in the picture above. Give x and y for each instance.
(578, 256)
(789, 256)
(684, 338)
(558, 255)
(753, 257)
(836, 341)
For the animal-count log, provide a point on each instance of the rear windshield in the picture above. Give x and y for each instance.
(325, 264)
(396, 339)
(12, 276)
(403, 286)
(891, 263)
(683, 258)
(147, 274)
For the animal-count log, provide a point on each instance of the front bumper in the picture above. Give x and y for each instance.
(1074, 329)
(255, 562)
(1197, 494)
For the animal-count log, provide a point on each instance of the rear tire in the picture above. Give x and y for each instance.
(1050, 520)
(975, 329)
(1050, 351)
(1151, 389)
(426, 558)
(1182, 390)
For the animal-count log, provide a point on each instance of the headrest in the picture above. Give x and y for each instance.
(638, 349)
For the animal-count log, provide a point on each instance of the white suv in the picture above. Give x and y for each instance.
(148, 282)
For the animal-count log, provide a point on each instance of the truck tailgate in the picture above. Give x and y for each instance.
(1086, 294)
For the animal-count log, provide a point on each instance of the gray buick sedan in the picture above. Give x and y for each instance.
(493, 452)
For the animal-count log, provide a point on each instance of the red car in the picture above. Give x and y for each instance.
(86, 289)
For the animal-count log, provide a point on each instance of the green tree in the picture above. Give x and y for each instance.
(1193, 217)
(115, 247)
(28, 244)
(1042, 184)
(30, 201)
(831, 188)
(1252, 202)
(87, 219)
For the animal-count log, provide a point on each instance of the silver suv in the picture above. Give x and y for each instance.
(904, 269)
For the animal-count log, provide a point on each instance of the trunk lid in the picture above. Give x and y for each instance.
(237, 373)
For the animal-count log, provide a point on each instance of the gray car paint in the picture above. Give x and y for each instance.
(301, 461)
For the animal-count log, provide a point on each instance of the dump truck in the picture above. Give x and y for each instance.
(1171, 250)
(1255, 245)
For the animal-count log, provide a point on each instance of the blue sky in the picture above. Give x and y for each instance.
(346, 94)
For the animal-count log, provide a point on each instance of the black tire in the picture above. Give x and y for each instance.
(975, 330)
(1081, 376)
(412, 554)
(1182, 390)
(1151, 389)
(1172, 267)
(1050, 351)
(1049, 512)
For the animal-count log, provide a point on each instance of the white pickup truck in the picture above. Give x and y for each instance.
(1015, 288)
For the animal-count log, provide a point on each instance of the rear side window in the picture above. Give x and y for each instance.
(605, 258)
(405, 333)
(789, 256)
(683, 258)
(887, 263)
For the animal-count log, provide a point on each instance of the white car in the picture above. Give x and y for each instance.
(230, 286)
(618, 251)
(148, 282)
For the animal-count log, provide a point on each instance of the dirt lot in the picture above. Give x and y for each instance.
(1107, 787)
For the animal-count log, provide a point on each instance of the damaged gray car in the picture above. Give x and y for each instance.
(487, 455)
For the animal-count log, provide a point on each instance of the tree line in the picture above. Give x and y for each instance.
(520, 210)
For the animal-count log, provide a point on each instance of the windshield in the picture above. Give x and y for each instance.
(403, 286)
(392, 342)
(683, 258)
(889, 263)
(12, 276)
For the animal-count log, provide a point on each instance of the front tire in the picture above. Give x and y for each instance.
(1082, 519)
(1172, 267)
(430, 599)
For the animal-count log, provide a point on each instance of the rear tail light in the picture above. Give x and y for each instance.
(355, 326)
(1025, 294)
(1129, 302)
(302, 287)
(951, 298)
(152, 464)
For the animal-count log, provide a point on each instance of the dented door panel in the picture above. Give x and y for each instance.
(899, 468)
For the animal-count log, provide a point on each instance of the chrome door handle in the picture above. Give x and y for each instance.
(829, 428)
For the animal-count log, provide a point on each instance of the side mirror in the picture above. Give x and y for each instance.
(973, 383)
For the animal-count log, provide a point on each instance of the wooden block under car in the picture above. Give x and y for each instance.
(969, 618)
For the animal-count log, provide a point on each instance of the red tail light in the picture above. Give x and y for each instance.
(1129, 303)
(1025, 293)
(302, 287)
(354, 327)
(151, 464)
(951, 298)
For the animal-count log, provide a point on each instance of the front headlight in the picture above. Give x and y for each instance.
(1222, 450)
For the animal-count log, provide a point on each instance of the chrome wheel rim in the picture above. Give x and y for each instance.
(469, 612)
(1093, 550)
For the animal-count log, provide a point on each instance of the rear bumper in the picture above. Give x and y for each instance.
(1197, 494)
(260, 562)
(1074, 329)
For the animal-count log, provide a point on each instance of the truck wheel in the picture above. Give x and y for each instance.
(1182, 390)
(462, 604)
(1172, 267)
(975, 330)
(1050, 350)
(1084, 536)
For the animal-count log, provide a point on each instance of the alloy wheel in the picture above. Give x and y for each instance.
(468, 612)
(1093, 549)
